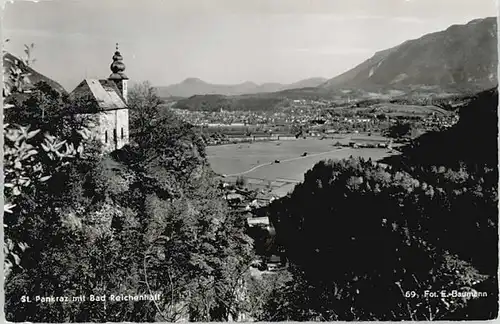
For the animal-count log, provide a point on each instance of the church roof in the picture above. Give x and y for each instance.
(104, 94)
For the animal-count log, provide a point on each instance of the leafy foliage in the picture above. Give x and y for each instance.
(146, 219)
(30, 157)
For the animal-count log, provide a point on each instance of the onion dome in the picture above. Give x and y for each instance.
(117, 67)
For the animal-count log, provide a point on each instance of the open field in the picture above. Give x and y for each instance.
(256, 161)
(409, 109)
(391, 109)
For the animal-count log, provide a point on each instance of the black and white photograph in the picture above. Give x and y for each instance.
(250, 160)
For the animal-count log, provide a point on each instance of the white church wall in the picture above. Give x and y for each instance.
(122, 127)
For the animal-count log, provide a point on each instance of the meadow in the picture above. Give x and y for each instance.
(257, 161)
(391, 109)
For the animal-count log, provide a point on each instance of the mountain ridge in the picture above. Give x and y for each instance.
(194, 86)
(459, 60)
(461, 56)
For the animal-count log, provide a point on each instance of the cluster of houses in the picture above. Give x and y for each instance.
(353, 144)
(246, 200)
(437, 122)
(247, 203)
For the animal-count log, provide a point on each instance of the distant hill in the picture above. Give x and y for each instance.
(195, 86)
(459, 61)
(217, 102)
(34, 77)
(472, 140)
(460, 58)
(307, 83)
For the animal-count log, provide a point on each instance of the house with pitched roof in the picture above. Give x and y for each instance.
(106, 101)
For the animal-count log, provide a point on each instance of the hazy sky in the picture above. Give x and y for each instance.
(221, 41)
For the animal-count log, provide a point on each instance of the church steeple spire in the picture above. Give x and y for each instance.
(117, 67)
(118, 76)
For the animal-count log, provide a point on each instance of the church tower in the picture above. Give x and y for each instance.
(118, 76)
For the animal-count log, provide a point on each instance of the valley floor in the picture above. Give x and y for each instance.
(258, 162)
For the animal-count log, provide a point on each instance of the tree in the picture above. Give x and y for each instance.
(357, 213)
(399, 130)
(30, 158)
(144, 105)
(241, 181)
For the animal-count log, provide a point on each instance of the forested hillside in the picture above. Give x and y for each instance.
(366, 240)
(259, 102)
(473, 140)
(147, 219)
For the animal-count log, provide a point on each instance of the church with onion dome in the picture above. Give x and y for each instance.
(107, 100)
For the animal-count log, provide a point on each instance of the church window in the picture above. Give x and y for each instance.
(105, 136)
(122, 132)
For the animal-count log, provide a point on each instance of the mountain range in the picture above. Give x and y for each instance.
(460, 58)
(195, 86)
